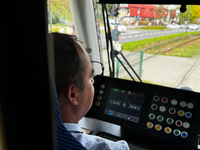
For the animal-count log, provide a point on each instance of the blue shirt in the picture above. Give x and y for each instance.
(93, 142)
(115, 35)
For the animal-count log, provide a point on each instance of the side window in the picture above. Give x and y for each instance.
(60, 17)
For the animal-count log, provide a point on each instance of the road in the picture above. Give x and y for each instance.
(135, 35)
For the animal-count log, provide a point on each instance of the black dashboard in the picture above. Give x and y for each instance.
(155, 116)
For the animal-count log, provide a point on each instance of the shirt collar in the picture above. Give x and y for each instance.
(72, 127)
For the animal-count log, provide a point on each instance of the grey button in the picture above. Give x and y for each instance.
(162, 108)
(183, 104)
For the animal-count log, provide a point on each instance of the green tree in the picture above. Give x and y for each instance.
(60, 9)
(110, 7)
(194, 13)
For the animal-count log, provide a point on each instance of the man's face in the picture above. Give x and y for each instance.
(86, 97)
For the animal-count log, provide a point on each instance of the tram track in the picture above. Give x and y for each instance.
(182, 44)
(135, 62)
(167, 50)
(188, 72)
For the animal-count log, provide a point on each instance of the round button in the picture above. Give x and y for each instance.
(150, 125)
(190, 105)
(160, 118)
(168, 130)
(164, 100)
(179, 123)
(174, 102)
(152, 116)
(188, 114)
(181, 113)
(154, 106)
(162, 108)
(158, 127)
(97, 103)
(100, 91)
(172, 111)
(156, 98)
(176, 132)
(184, 134)
(102, 86)
(183, 104)
(170, 120)
(186, 125)
(99, 97)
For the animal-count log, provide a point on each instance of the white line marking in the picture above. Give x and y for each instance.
(130, 32)
(130, 36)
(136, 35)
(141, 34)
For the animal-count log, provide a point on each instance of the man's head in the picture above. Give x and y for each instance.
(69, 64)
(116, 27)
(74, 72)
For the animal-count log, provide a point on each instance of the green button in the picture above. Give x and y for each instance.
(160, 118)
(151, 116)
(170, 121)
(176, 132)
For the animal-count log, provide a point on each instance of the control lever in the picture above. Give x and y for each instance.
(115, 53)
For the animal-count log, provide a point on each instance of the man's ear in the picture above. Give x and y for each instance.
(71, 94)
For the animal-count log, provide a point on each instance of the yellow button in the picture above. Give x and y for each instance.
(97, 103)
(181, 113)
(168, 130)
(150, 125)
(99, 97)
(158, 127)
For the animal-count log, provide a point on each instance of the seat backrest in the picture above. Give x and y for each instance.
(64, 139)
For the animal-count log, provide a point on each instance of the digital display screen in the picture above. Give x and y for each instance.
(124, 104)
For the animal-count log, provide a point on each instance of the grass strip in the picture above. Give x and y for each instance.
(142, 44)
(189, 52)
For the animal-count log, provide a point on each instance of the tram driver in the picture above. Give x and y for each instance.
(75, 90)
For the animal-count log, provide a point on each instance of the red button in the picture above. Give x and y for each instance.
(164, 100)
(179, 123)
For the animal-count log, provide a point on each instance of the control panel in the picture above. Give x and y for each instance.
(171, 117)
(155, 113)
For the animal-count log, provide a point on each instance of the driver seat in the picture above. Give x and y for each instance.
(62, 137)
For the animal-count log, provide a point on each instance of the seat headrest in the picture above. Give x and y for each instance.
(63, 138)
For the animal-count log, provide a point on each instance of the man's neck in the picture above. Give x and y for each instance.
(68, 117)
(68, 112)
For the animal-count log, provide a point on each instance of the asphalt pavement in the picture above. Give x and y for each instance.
(135, 35)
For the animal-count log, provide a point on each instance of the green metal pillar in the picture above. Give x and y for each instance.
(141, 60)
(117, 70)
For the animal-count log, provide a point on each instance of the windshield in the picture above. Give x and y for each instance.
(160, 54)
(157, 41)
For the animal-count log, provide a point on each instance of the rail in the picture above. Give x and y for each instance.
(139, 60)
(188, 72)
